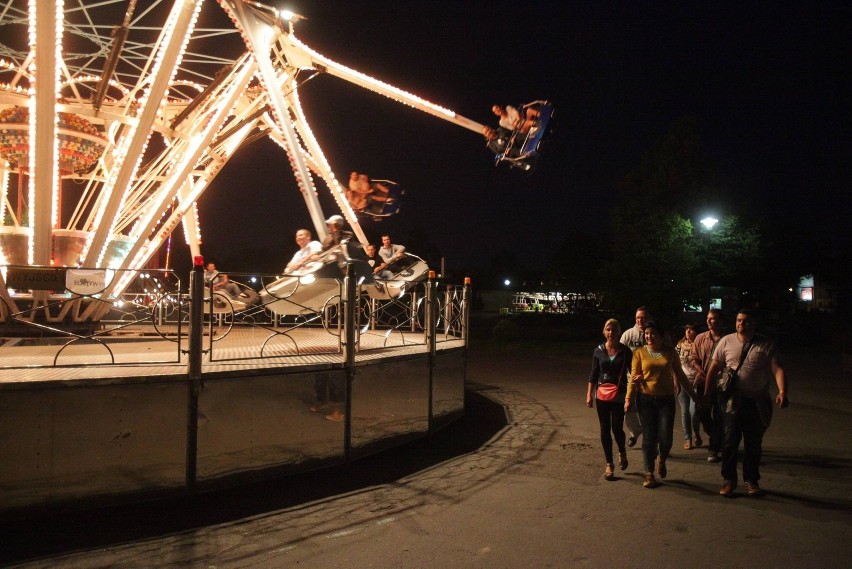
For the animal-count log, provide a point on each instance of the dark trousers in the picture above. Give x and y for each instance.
(611, 419)
(329, 388)
(712, 422)
(744, 424)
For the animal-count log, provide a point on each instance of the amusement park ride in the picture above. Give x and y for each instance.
(110, 131)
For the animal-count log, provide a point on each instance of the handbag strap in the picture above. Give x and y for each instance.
(623, 364)
(744, 353)
(706, 365)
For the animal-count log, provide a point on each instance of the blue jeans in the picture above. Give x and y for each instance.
(689, 419)
(657, 415)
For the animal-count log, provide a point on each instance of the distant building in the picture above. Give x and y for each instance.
(552, 302)
(822, 298)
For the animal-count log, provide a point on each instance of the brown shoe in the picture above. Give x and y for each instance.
(608, 473)
(336, 416)
(754, 490)
(687, 445)
(727, 490)
(649, 481)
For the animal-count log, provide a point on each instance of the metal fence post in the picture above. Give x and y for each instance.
(350, 306)
(465, 315)
(196, 321)
(449, 295)
(431, 313)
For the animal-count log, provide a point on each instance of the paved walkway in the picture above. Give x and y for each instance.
(517, 483)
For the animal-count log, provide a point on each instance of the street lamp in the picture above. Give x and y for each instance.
(709, 222)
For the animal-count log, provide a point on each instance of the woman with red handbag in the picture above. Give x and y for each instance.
(608, 386)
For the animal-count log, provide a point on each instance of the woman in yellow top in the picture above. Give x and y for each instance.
(656, 378)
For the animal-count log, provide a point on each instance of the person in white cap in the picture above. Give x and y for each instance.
(336, 235)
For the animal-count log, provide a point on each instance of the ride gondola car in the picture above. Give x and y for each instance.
(386, 199)
(520, 148)
(224, 303)
(316, 286)
(407, 270)
(310, 288)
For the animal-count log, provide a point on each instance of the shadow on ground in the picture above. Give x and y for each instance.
(53, 533)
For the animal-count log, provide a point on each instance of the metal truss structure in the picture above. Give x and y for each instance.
(115, 116)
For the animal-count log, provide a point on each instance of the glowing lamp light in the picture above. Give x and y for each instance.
(709, 222)
(507, 282)
(290, 16)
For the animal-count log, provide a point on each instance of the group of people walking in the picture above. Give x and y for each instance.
(638, 375)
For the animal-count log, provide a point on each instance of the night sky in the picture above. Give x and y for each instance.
(768, 82)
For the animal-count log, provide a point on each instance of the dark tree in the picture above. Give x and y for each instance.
(658, 257)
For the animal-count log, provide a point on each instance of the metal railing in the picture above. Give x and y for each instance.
(71, 310)
(80, 327)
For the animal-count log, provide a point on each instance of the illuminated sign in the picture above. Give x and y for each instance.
(36, 278)
(86, 282)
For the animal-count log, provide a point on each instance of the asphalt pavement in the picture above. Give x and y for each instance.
(516, 483)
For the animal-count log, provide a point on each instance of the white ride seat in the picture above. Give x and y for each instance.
(309, 289)
(408, 270)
